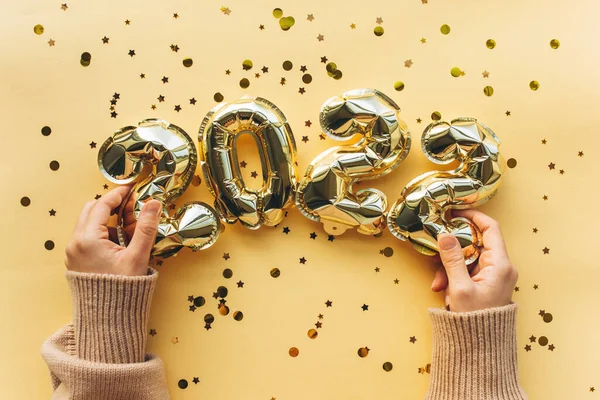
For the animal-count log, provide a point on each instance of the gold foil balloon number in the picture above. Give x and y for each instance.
(161, 159)
(423, 210)
(219, 131)
(326, 193)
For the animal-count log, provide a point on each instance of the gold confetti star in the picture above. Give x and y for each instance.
(412, 339)
(324, 60)
(592, 388)
(353, 26)
(105, 40)
(264, 69)
(257, 75)
(580, 154)
(165, 79)
(226, 256)
(320, 38)
(177, 108)
(142, 76)
(282, 81)
(310, 17)
(527, 347)
(423, 1)
(546, 250)
(562, 171)
(174, 340)
(419, 120)
(307, 123)
(535, 287)
(64, 7)
(301, 90)
(225, 10)
(127, 22)
(543, 141)
(423, 40)
(131, 53)
(153, 106)
(322, 136)
(535, 230)
(379, 20)
(551, 347)
(305, 139)
(51, 42)
(175, 15)
(408, 63)
(551, 165)
(485, 74)
(545, 197)
(227, 72)
(516, 288)
(261, 27)
(507, 113)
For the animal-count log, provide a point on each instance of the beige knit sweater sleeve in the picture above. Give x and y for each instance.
(102, 354)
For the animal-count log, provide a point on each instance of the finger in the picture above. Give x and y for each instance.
(453, 260)
(128, 216)
(113, 235)
(83, 217)
(144, 235)
(100, 213)
(440, 281)
(489, 227)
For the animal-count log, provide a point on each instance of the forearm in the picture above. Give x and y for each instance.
(474, 355)
(102, 354)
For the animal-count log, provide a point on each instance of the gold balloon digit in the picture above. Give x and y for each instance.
(161, 158)
(423, 210)
(326, 194)
(218, 134)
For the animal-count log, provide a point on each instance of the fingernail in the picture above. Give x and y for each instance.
(447, 242)
(153, 207)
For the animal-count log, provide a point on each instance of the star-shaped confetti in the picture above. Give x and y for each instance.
(174, 340)
(193, 101)
(226, 256)
(507, 113)
(177, 108)
(225, 10)
(310, 17)
(364, 307)
(485, 74)
(127, 22)
(305, 139)
(286, 230)
(352, 26)
(64, 7)
(240, 284)
(51, 42)
(527, 347)
(379, 20)
(546, 250)
(105, 40)
(320, 37)
(131, 53)
(551, 165)
(302, 260)
(93, 145)
(52, 212)
(412, 339)
(254, 174)
(313, 235)
(328, 303)
(408, 63)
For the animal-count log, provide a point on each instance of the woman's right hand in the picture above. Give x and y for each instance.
(491, 281)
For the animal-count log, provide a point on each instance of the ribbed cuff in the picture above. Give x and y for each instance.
(110, 315)
(474, 355)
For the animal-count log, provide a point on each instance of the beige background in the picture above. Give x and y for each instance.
(44, 85)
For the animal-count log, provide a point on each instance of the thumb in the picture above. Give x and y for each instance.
(453, 259)
(146, 228)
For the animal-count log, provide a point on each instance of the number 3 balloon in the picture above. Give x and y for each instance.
(423, 210)
(219, 132)
(326, 193)
(162, 159)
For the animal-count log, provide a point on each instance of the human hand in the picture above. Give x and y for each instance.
(90, 248)
(491, 281)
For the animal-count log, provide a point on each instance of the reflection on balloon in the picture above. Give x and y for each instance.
(423, 210)
(218, 135)
(161, 159)
(326, 194)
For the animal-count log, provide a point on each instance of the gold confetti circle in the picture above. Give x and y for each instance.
(488, 91)
(227, 273)
(511, 163)
(54, 165)
(455, 72)
(244, 83)
(331, 67)
(445, 29)
(547, 317)
(222, 291)
(388, 251)
(25, 201)
(287, 65)
(238, 315)
(278, 13)
(286, 23)
(38, 29)
(183, 383)
(378, 31)
(436, 115)
(86, 58)
(223, 309)
(275, 272)
(307, 78)
(209, 318)
(199, 301)
(555, 43)
(534, 85)
(363, 352)
(187, 62)
(490, 43)
(247, 65)
(387, 366)
(399, 86)
(312, 333)
(337, 75)
(294, 351)
(543, 340)
(49, 244)
(46, 131)
(218, 97)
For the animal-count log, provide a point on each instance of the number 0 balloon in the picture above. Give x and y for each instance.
(423, 210)
(161, 158)
(326, 193)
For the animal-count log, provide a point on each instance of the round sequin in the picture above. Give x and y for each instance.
(187, 62)
(247, 65)
(543, 340)
(534, 85)
(25, 201)
(286, 23)
(222, 291)
(445, 29)
(244, 83)
(294, 351)
(399, 86)
(387, 366)
(378, 31)
(388, 252)
(182, 384)
(227, 273)
(436, 116)
(38, 29)
(275, 272)
(490, 43)
(238, 315)
(54, 165)
(278, 13)
(209, 318)
(455, 72)
(312, 333)
(86, 59)
(199, 301)
(223, 309)
(363, 352)
(555, 43)
(511, 163)
(488, 91)
(307, 78)
(218, 97)
(547, 317)
(49, 244)
(46, 131)
(287, 65)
